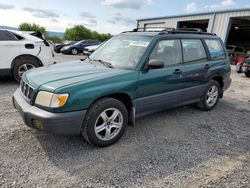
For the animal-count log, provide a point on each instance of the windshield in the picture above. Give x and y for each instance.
(230, 47)
(70, 43)
(122, 51)
(79, 42)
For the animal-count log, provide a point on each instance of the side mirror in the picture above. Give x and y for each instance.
(155, 64)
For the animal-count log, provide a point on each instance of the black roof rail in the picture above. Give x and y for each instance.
(188, 31)
(164, 30)
(150, 29)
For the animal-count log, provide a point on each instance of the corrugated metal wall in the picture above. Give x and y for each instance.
(222, 21)
(218, 22)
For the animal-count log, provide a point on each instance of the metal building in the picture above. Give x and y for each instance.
(233, 26)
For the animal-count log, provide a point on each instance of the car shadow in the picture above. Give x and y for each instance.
(8, 80)
(169, 141)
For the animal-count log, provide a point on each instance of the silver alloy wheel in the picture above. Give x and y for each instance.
(212, 95)
(25, 67)
(108, 124)
(74, 51)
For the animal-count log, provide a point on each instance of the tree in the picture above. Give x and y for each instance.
(80, 32)
(32, 27)
(55, 39)
(77, 33)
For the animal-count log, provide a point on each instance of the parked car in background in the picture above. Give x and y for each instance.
(130, 76)
(244, 67)
(235, 50)
(78, 47)
(22, 51)
(90, 49)
(58, 47)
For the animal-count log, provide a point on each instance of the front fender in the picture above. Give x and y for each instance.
(82, 96)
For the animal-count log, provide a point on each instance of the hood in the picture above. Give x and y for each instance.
(53, 77)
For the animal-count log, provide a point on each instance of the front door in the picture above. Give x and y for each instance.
(161, 88)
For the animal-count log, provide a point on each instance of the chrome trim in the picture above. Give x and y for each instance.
(25, 90)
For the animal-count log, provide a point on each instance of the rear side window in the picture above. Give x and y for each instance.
(238, 49)
(168, 51)
(7, 36)
(215, 49)
(18, 36)
(193, 50)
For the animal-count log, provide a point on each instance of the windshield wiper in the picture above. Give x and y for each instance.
(105, 63)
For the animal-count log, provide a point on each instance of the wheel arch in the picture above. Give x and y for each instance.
(219, 79)
(25, 55)
(126, 100)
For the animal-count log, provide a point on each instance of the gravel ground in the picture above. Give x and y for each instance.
(182, 147)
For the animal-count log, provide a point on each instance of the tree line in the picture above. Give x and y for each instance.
(76, 33)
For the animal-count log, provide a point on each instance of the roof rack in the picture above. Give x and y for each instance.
(164, 30)
(188, 31)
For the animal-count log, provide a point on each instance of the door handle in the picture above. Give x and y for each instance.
(207, 66)
(177, 71)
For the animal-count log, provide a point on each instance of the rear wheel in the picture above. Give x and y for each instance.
(210, 97)
(23, 64)
(105, 122)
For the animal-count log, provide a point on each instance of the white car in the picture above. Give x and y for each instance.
(22, 51)
(90, 49)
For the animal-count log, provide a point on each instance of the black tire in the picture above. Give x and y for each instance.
(247, 74)
(20, 61)
(74, 51)
(89, 124)
(203, 105)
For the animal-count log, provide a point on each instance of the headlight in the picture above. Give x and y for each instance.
(65, 47)
(51, 100)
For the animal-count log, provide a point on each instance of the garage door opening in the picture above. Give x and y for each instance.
(239, 33)
(201, 24)
(154, 26)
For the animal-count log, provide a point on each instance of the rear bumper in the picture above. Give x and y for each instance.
(69, 123)
(227, 83)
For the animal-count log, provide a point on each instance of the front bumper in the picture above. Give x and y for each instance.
(67, 51)
(68, 123)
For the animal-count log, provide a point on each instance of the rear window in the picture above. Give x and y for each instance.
(239, 49)
(215, 49)
(230, 47)
(193, 50)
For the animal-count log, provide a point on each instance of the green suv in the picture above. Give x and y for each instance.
(132, 75)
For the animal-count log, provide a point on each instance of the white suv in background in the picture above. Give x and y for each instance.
(22, 51)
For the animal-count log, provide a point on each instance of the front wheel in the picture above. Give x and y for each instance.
(74, 51)
(210, 97)
(105, 122)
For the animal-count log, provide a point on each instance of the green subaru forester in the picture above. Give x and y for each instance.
(131, 75)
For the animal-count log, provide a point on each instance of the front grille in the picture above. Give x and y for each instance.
(27, 90)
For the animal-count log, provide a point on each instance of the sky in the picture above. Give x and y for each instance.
(104, 16)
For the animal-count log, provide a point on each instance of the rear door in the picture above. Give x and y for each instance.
(161, 88)
(9, 48)
(196, 68)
